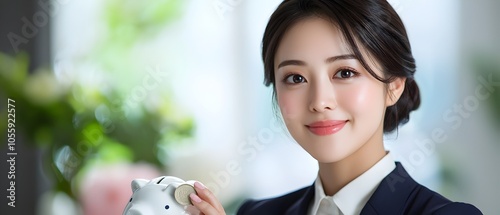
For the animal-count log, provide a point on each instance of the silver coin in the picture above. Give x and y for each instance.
(182, 192)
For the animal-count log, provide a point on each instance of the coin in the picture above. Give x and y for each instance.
(182, 192)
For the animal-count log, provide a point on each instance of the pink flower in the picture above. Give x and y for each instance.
(105, 189)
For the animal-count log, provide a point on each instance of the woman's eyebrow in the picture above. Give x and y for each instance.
(340, 57)
(328, 60)
(291, 62)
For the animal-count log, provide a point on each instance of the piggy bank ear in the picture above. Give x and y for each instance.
(138, 183)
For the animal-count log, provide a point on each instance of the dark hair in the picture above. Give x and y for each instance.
(371, 24)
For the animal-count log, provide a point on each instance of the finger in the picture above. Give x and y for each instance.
(204, 207)
(207, 196)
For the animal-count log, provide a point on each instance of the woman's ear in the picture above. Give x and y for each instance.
(395, 89)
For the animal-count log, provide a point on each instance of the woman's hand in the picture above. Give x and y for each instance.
(205, 201)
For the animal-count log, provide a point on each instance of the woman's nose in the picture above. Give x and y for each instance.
(322, 97)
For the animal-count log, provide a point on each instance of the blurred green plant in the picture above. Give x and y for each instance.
(77, 124)
(50, 117)
(488, 67)
(128, 23)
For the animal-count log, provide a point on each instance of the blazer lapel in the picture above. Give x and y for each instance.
(301, 206)
(389, 197)
(391, 194)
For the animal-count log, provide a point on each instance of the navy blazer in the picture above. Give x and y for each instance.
(398, 193)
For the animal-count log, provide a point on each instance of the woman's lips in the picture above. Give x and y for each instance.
(326, 127)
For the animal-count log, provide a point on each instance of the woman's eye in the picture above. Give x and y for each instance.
(345, 73)
(295, 79)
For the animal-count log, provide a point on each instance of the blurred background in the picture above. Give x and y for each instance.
(107, 91)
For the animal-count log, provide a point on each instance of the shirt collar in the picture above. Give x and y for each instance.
(352, 198)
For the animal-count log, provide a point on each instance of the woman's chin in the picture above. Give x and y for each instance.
(325, 157)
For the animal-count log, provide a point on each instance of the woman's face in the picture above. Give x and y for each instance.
(330, 104)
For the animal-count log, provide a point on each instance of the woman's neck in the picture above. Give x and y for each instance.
(334, 176)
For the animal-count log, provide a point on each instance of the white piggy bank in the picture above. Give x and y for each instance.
(156, 196)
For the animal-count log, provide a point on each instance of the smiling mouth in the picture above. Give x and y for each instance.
(327, 127)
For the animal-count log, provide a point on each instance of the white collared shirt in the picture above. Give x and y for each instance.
(351, 198)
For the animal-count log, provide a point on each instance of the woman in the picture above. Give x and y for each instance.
(343, 75)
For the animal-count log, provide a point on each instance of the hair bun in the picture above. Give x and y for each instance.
(413, 93)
